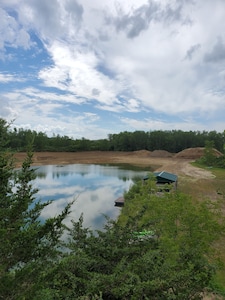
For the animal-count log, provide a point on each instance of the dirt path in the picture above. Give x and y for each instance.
(179, 166)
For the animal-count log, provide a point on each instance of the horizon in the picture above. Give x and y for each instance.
(11, 127)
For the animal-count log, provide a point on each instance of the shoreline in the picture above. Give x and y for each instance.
(177, 165)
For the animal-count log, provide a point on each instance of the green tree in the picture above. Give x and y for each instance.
(28, 245)
(208, 152)
(4, 138)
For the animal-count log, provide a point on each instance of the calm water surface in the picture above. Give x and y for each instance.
(95, 188)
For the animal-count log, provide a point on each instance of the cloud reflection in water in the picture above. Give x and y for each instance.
(94, 187)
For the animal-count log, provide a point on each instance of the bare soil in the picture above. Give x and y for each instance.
(157, 160)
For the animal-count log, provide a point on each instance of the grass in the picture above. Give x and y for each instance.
(213, 189)
(204, 189)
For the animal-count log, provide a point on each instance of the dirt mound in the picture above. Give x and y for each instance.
(217, 153)
(195, 153)
(155, 153)
(161, 153)
(142, 153)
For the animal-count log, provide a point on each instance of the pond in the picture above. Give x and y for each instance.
(95, 188)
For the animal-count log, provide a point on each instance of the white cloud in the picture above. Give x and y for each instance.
(11, 33)
(165, 57)
(160, 124)
(5, 78)
(51, 19)
(76, 71)
(217, 54)
(190, 52)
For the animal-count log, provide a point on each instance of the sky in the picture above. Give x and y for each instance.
(87, 69)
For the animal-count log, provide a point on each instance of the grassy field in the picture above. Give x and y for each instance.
(213, 189)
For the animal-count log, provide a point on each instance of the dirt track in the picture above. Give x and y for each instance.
(179, 166)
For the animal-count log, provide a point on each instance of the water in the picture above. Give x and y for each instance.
(95, 188)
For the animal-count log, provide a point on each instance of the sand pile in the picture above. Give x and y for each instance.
(195, 153)
(155, 153)
(161, 153)
(142, 153)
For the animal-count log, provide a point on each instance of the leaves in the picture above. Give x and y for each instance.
(27, 245)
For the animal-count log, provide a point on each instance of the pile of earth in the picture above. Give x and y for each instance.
(189, 153)
(161, 153)
(141, 153)
(195, 153)
(155, 153)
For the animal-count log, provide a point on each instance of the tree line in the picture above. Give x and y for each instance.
(173, 141)
(45, 259)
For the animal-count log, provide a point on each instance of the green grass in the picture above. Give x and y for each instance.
(200, 190)
(213, 189)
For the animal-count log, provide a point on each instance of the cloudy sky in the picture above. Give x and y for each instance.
(85, 68)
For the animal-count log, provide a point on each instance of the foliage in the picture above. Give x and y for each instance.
(172, 141)
(186, 231)
(209, 158)
(27, 245)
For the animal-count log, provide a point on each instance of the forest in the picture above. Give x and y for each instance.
(173, 141)
(45, 259)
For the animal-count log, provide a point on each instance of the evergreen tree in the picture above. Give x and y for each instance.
(27, 245)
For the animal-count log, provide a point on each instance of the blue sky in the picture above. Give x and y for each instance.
(85, 68)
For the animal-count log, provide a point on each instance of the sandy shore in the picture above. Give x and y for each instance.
(179, 166)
